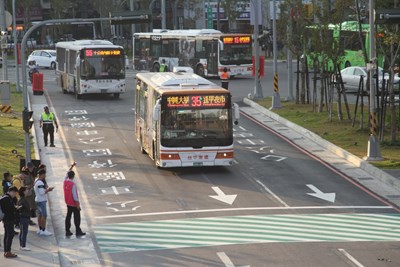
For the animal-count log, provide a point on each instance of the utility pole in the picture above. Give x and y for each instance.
(163, 19)
(3, 30)
(14, 25)
(276, 99)
(373, 142)
(258, 93)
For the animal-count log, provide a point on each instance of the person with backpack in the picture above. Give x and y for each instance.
(9, 210)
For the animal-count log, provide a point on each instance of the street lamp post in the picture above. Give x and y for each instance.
(15, 47)
(258, 93)
(373, 142)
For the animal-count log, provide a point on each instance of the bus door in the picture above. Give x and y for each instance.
(212, 57)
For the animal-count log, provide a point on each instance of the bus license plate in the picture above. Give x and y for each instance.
(103, 91)
(237, 70)
(197, 164)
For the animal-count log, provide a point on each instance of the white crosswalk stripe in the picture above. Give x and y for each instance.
(216, 231)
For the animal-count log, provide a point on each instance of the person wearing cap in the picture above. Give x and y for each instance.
(73, 206)
(41, 201)
(47, 122)
(9, 209)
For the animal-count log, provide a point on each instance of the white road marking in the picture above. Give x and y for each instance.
(115, 190)
(226, 260)
(272, 193)
(351, 258)
(241, 209)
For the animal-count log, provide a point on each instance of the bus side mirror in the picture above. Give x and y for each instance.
(156, 111)
(221, 45)
(236, 113)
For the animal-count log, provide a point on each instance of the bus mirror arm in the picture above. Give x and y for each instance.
(221, 45)
(156, 111)
(236, 113)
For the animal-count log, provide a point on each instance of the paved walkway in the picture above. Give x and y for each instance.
(57, 250)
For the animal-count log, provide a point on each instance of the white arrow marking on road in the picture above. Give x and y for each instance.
(226, 260)
(228, 199)
(319, 194)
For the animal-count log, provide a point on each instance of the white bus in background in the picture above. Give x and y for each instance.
(90, 67)
(184, 120)
(206, 51)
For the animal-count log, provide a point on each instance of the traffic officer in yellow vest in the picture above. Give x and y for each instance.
(163, 66)
(47, 121)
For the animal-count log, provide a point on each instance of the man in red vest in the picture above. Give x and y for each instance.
(73, 205)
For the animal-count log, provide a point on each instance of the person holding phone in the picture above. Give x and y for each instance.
(41, 201)
(24, 215)
(73, 205)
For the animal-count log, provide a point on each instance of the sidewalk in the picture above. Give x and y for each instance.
(55, 250)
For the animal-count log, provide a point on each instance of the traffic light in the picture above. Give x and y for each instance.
(27, 120)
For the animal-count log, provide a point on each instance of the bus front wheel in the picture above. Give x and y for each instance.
(347, 64)
(116, 95)
(200, 70)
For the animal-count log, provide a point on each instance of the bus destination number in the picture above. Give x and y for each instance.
(196, 101)
(236, 40)
(110, 52)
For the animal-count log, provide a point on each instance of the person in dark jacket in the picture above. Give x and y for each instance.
(25, 215)
(6, 183)
(9, 210)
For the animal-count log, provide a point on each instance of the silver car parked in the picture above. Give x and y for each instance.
(43, 58)
(351, 78)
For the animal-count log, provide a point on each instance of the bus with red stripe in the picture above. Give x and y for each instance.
(184, 120)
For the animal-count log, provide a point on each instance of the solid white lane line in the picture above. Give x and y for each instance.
(272, 194)
(351, 258)
(239, 209)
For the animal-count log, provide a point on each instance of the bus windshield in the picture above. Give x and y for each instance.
(196, 128)
(103, 67)
(236, 55)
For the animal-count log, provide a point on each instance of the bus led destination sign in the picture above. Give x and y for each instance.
(102, 52)
(236, 40)
(196, 101)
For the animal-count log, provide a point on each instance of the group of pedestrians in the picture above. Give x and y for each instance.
(16, 205)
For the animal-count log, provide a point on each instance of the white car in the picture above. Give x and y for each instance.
(351, 78)
(43, 58)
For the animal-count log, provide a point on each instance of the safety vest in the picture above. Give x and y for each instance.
(224, 76)
(163, 67)
(47, 118)
(68, 196)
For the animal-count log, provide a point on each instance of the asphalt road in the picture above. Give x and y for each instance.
(145, 216)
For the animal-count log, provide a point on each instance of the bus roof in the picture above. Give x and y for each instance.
(79, 44)
(176, 81)
(190, 32)
(183, 33)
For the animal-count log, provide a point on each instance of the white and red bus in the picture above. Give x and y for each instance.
(184, 120)
(206, 51)
(90, 67)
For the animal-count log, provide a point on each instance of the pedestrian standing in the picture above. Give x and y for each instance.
(28, 182)
(24, 217)
(41, 201)
(163, 66)
(6, 183)
(47, 122)
(9, 210)
(224, 78)
(73, 205)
